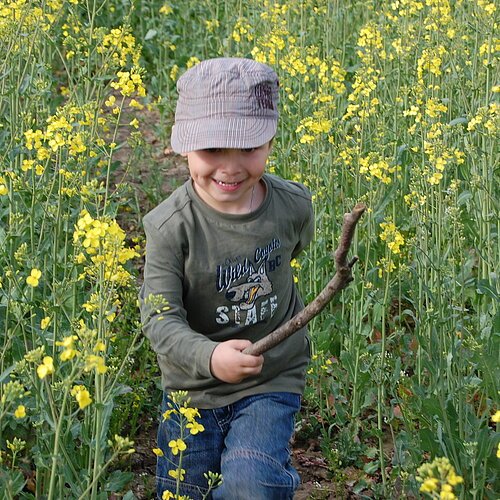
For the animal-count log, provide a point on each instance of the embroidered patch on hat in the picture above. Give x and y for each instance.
(263, 95)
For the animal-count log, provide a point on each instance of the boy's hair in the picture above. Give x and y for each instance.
(225, 103)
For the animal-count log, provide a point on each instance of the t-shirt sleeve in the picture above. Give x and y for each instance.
(162, 311)
(306, 223)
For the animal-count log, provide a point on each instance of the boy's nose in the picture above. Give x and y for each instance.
(230, 162)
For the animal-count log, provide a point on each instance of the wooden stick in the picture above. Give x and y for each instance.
(342, 277)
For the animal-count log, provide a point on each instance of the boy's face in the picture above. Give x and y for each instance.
(226, 179)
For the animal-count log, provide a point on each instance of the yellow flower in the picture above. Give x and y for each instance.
(68, 354)
(177, 474)
(134, 104)
(391, 236)
(177, 445)
(195, 427)
(192, 61)
(100, 346)
(174, 72)
(429, 485)
(496, 417)
(189, 413)
(3, 186)
(82, 396)
(27, 165)
(438, 478)
(46, 368)
(166, 9)
(34, 277)
(110, 102)
(20, 412)
(97, 362)
(45, 322)
(67, 341)
(158, 452)
(167, 414)
(167, 495)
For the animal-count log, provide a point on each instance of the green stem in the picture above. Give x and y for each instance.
(55, 451)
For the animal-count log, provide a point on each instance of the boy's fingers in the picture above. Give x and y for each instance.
(253, 361)
(239, 344)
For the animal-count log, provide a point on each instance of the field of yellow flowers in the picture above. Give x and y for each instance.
(394, 104)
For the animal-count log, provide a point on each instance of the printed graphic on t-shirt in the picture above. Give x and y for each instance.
(246, 287)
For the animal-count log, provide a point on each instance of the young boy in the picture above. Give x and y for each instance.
(218, 250)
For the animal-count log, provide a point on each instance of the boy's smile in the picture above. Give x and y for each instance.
(228, 179)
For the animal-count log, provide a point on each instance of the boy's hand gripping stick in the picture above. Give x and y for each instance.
(342, 277)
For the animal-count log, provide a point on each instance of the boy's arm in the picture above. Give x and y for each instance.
(165, 324)
(306, 232)
(162, 311)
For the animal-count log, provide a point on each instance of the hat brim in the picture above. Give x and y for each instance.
(228, 132)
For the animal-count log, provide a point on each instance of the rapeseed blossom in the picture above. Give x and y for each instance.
(241, 29)
(34, 277)
(120, 45)
(177, 445)
(69, 352)
(45, 322)
(122, 444)
(130, 82)
(296, 267)
(46, 368)
(195, 427)
(20, 411)
(92, 361)
(16, 445)
(82, 396)
(391, 236)
(102, 240)
(313, 126)
(438, 478)
(177, 474)
(168, 495)
(373, 166)
(166, 9)
(3, 186)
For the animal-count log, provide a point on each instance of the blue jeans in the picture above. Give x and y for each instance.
(247, 442)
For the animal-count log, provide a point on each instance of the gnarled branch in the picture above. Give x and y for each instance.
(342, 277)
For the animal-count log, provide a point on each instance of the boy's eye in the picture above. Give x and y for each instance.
(212, 150)
(249, 150)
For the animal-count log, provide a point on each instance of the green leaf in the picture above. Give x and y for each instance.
(11, 482)
(484, 287)
(150, 34)
(118, 480)
(458, 121)
(129, 496)
(6, 373)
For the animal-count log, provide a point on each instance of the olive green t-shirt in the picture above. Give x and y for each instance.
(225, 276)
